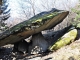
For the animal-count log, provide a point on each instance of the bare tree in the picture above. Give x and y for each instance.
(4, 14)
(45, 4)
(32, 2)
(0, 2)
(27, 9)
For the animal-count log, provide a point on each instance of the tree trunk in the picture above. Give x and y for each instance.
(0, 6)
(0, 2)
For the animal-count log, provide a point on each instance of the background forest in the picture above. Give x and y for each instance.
(24, 9)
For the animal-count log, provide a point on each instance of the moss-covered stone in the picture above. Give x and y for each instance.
(36, 24)
(64, 40)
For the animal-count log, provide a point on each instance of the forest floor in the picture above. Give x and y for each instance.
(68, 52)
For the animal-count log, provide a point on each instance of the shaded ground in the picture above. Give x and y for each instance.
(69, 52)
(5, 52)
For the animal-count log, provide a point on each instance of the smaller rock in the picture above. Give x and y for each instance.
(39, 44)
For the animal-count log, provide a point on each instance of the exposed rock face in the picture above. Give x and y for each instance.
(39, 44)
